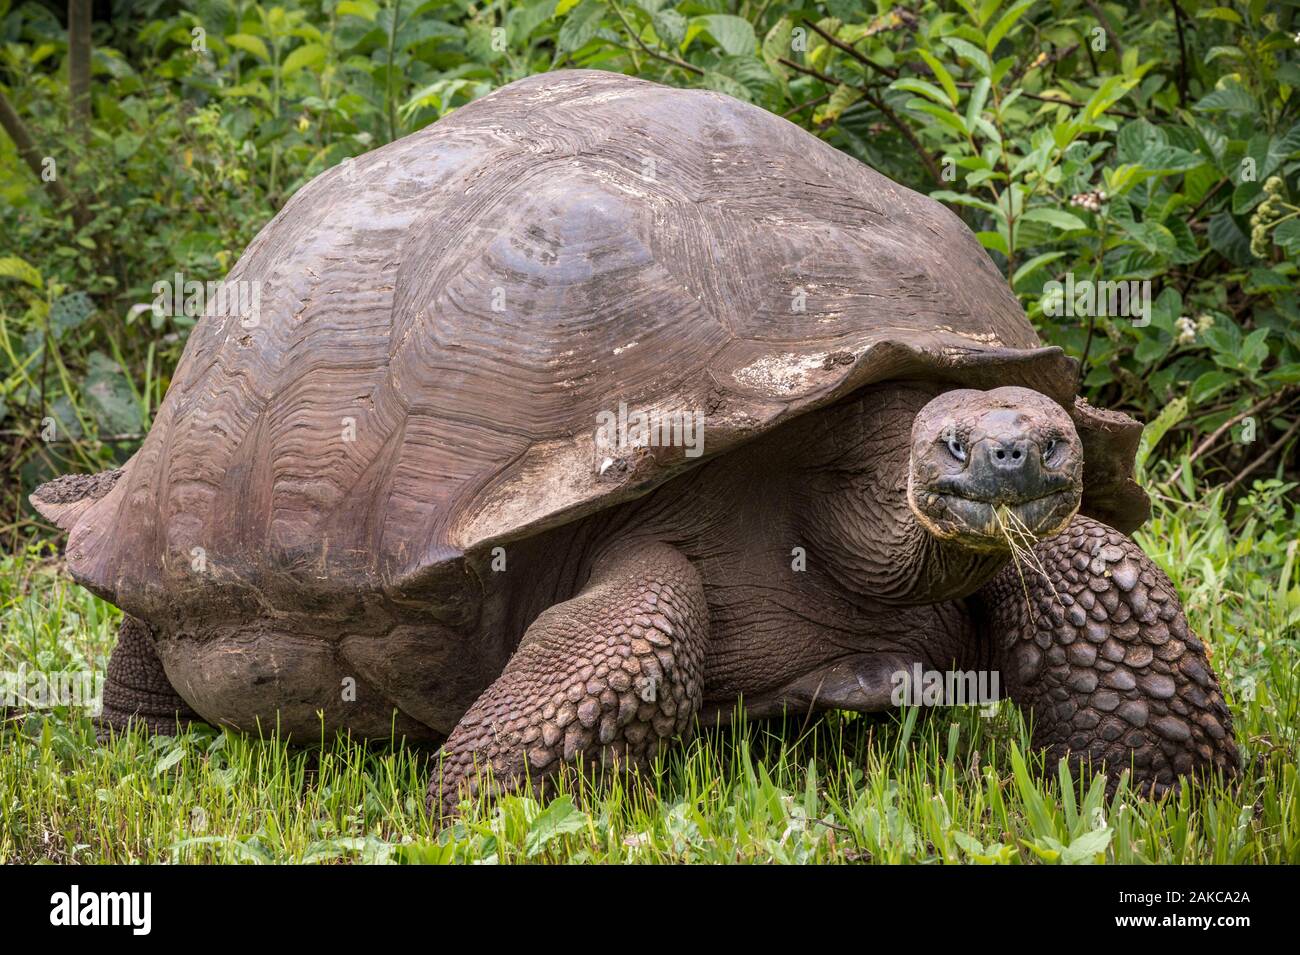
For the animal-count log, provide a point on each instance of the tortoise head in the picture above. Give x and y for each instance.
(989, 466)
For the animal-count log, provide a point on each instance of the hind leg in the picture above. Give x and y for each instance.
(137, 689)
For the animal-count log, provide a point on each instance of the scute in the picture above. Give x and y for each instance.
(442, 320)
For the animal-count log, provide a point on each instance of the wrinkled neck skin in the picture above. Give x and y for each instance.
(853, 506)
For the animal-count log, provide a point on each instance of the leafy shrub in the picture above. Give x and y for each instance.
(1149, 142)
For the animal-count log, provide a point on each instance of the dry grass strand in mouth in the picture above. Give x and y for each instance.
(1021, 540)
(1001, 514)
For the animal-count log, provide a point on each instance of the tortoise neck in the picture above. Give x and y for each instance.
(851, 504)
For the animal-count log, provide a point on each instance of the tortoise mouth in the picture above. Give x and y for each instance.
(996, 470)
(988, 523)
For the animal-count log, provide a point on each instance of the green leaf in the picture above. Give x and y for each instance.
(1172, 413)
(1255, 349)
(1210, 384)
(1136, 138)
(1058, 218)
(307, 55)
(734, 34)
(942, 75)
(1220, 13)
(1279, 149)
(978, 96)
(70, 312)
(560, 818)
(1152, 236)
(1037, 262)
(1229, 96)
(776, 45)
(753, 74)
(943, 114)
(109, 397)
(523, 20)
(670, 26)
(580, 26)
(1228, 240)
(12, 267)
(254, 88)
(1167, 159)
(1246, 196)
(1040, 817)
(843, 97)
(1087, 847)
(250, 44)
(366, 9)
(1111, 91)
(1005, 23)
(962, 199)
(969, 51)
(722, 83)
(172, 757)
(1286, 235)
(911, 84)
(438, 95)
(847, 10)
(1188, 250)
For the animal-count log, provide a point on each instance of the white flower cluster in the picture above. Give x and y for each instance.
(1092, 201)
(1188, 328)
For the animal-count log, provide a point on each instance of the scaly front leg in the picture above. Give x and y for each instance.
(607, 676)
(1100, 653)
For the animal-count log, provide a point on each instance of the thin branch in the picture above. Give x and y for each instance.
(851, 51)
(816, 101)
(1272, 449)
(879, 103)
(1223, 429)
(666, 58)
(1105, 25)
(1182, 53)
(1206, 198)
(79, 68)
(1075, 103)
(1056, 56)
(1062, 100)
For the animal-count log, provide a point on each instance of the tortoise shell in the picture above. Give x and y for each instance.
(442, 320)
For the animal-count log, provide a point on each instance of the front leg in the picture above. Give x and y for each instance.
(607, 676)
(1100, 653)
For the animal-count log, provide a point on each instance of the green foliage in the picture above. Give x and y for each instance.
(1160, 145)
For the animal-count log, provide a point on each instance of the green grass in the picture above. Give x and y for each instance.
(951, 786)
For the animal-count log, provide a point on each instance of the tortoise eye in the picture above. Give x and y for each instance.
(1047, 451)
(955, 448)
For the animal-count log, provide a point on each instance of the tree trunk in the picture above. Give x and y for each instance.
(79, 67)
(13, 125)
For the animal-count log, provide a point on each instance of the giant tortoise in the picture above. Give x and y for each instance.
(599, 406)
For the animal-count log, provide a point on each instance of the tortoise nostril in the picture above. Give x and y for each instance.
(1009, 454)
